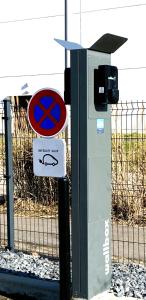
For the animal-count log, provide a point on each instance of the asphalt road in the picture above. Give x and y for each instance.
(42, 233)
(129, 242)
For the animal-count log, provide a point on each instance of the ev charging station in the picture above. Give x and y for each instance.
(92, 85)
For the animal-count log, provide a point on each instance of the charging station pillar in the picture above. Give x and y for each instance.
(91, 179)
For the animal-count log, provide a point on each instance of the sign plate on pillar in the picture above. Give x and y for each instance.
(49, 157)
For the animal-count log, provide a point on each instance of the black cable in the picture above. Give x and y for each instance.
(83, 12)
(29, 75)
(52, 74)
(132, 68)
(30, 19)
(111, 8)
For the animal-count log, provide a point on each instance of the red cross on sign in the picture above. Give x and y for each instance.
(47, 113)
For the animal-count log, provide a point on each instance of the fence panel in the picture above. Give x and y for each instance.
(3, 206)
(36, 198)
(129, 181)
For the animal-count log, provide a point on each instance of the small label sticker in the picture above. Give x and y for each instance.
(100, 126)
(101, 90)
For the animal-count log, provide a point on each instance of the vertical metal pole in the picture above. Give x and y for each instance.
(64, 239)
(66, 54)
(65, 29)
(9, 173)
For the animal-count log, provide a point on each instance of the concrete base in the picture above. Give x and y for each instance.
(107, 296)
(102, 296)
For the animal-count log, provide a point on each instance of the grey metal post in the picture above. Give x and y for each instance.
(9, 173)
(64, 238)
(91, 180)
(66, 53)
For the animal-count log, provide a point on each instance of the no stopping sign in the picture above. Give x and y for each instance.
(47, 113)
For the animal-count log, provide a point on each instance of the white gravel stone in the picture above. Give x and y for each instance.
(129, 280)
(35, 266)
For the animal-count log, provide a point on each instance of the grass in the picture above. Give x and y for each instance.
(128, 178)
(31, 208)
(37, 196)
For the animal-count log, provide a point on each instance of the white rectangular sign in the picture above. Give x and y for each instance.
(49, 157)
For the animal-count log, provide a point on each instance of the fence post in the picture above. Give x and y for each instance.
(9, 173)
(64, 239)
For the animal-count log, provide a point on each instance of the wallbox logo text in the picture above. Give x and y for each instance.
(106, 247)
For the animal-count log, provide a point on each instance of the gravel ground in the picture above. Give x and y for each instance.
(29, 265)
(128, 280)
